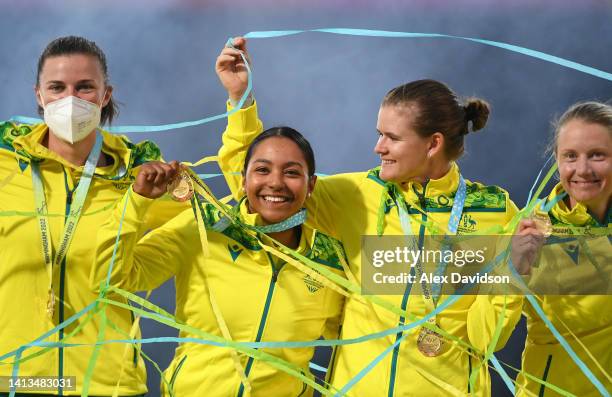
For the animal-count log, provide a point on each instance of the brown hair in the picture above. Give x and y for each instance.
(70, 45)
(438, 109)
(590, 112)
(284, 132)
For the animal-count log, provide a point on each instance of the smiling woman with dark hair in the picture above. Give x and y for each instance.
(421, 130)
(239, 291)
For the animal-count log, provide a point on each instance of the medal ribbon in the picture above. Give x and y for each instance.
(294, 220)
(52, 265)
(453, 224)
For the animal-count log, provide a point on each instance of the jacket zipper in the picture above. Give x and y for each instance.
(395, 355)
(262, 321)
(61, 288)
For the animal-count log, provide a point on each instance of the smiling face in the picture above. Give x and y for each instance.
(78, 75)
(584, 156)
(403, 153)
(276, 179)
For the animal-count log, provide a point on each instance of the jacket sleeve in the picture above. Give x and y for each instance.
(140, 263)
(242, 128)
(334, 200)
(163, 210)
(486, 310)
(484, 314)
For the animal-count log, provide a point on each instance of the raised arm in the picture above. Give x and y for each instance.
(242, 126)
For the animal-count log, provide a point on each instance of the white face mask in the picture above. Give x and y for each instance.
(71, 119)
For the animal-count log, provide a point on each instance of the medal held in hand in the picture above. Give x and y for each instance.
(542, 222)
(181, 187)
(429, 343)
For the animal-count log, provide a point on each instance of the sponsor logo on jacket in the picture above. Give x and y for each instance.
(234, 251)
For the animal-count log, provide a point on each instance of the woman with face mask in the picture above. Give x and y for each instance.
(238, 290)
(571, 268)
(60, 179)
(421, 129)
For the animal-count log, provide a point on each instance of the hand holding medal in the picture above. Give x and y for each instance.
(156, 178)
(528, 241)
(542, 223)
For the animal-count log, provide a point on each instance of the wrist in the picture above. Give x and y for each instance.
(234, 99)
(139, 191)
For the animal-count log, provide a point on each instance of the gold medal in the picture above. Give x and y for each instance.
(51, 303)
(181, 187)
(429, 343)
(543, 224)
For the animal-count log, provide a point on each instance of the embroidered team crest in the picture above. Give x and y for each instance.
(312, 284)
(467, 224)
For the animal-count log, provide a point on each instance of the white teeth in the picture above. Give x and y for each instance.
(388, 161)
(275, 199)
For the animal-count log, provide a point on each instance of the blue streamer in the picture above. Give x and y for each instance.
(503, 374)
(535, 183)
(354, 32)
(585, 370)
(317, 367)
(165, 127)
(16, 370)
(351, 32)
(37, 341)
(383, 33)
(369, 367)
(451, 299)
(583, 367)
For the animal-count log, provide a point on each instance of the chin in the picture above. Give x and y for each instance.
(585, 195)
(587, 198)
(387, 175)
(271, 218)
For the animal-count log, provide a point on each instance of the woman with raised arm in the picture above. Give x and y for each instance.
(421, 130)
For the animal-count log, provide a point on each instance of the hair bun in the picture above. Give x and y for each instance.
(477, 111)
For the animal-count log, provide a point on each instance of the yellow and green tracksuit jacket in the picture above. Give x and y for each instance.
(589, 317)
(24, 281)
(260, 297)
(346, 206)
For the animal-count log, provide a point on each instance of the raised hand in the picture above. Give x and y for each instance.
(231, 69)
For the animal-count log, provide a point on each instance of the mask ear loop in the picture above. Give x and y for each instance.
(104, 95)
(42, 100)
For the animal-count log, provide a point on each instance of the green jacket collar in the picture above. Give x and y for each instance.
(26, 142)
(577, 216)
